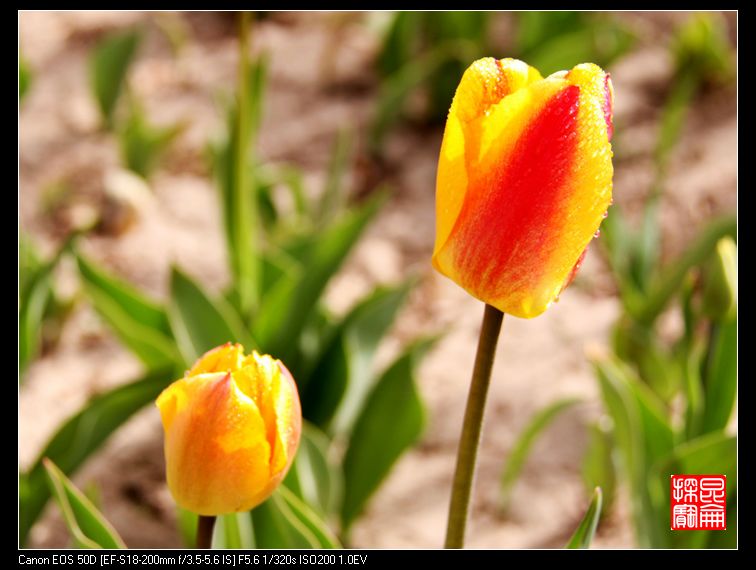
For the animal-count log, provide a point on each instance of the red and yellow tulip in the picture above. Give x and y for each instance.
(524, 181)
(232, 427)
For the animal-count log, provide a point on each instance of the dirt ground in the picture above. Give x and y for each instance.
(538, 361)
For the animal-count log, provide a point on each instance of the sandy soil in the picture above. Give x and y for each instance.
(538, 361)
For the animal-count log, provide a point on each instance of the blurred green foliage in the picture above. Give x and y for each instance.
(651, 373)
(280, 262)
(424, 55)
(552, 41)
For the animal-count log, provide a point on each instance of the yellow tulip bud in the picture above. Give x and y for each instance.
(232, 427)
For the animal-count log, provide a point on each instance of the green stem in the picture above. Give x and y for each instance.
(469, 440)
(205, 531)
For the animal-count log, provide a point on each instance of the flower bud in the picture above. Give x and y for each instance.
(232, 427)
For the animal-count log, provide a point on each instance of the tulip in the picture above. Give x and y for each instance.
(524, 181)
(232, 427)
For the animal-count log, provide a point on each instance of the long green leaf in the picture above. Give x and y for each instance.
(135, 303)
(587, 527)
(108, 67)
(721, 383)
(341, 379)
(138, 322)
(375, 443)
(88, 528)
(291, 301)
(200, 323)
(521, 449)
(81, 435)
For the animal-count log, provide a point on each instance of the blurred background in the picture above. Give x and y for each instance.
(125, 122)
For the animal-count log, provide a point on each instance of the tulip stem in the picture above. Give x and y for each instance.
(467, 452)
(205, 531)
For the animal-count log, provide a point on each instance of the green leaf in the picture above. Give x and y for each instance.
(200, 323)
(721, 382)
(375, 443)
(108, 67)
(83, 434)
(283, 521)
(131, 300)
(314, 477)
(140, 323)
(87, 526)
(340, 380)
(521, 449)
(587, 527)
(290, 303)
(142, 144)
